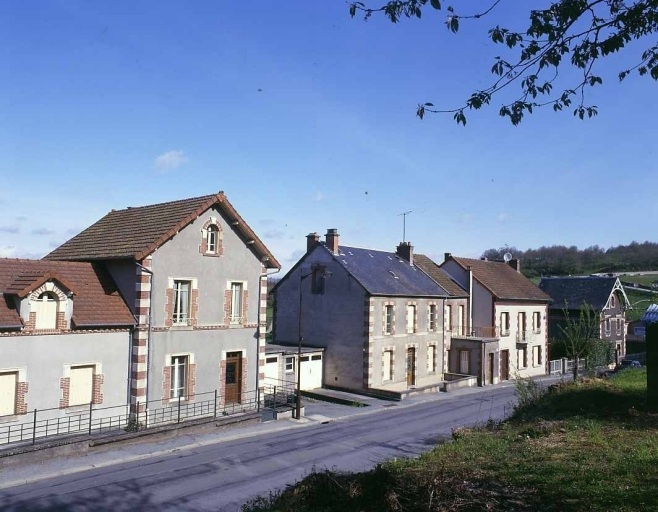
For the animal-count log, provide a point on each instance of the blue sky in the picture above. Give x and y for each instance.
(305, 117)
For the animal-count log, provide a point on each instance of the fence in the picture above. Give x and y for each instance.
(564, 365)
(92, 420)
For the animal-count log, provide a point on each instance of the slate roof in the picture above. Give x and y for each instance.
(439, 275)
(385, 273)
(137, 232)
(96, 301)
(502, 280)
(650, 316)
(593, 290)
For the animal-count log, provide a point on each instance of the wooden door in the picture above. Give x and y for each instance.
(233, 378)
(504, 365)
(411, 366)
(491, 368)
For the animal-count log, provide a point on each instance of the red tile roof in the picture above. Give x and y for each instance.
(137, 232)
(439, 275)
(502, 280)
(96, 300)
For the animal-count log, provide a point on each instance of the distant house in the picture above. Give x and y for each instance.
(506, 330)
(604, 294)
(376, 314)
(65, 339)
(194, 275)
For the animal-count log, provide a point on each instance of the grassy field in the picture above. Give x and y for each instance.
(580, 447)
(644, 300)
(646, 280)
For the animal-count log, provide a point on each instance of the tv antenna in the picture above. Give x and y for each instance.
(404, 224)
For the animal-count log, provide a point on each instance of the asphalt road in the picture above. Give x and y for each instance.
(223, 475)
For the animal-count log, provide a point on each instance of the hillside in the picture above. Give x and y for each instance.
(589, 446)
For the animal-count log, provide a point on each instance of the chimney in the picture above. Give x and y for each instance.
(447, 256)
(406, 251)
(331, 240)
(312, 239)
(515, 264)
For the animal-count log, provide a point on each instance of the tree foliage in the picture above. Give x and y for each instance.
(559, 260)
(568, 32)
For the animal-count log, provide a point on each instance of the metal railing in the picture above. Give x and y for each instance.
(278, 394)
(91, 420)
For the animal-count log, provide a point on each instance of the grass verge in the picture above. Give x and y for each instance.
(578, 447)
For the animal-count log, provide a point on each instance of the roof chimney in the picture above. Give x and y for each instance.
(331, 240)
(447, 256)
(406, 251)
(515, 264)
(312, 239)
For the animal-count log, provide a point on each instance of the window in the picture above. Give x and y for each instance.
(607, 327)
(464, 362)
(388, 320)
(620, 324)
(431, 359)
(522, 324)
(236, 303)
(290, 364)
(387, 366)
(448, 318)
(504, 323)
(212, 239)
(536, 356)
(317, 281)
(522, 357)
(536, 322)
(178, 388)
(181, 311)
(613, 302)
(461, 321)
(81, 390)
(432, 321)
(411, 318)
(46, 311)
(8, 393)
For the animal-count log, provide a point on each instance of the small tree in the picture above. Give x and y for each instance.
(580, 335)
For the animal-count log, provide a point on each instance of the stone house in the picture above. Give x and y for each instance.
(378, 316)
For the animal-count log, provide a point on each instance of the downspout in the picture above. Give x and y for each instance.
(470, 299)
(148, 332)
(276, 271)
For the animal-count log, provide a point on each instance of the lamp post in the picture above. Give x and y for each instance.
(323, 274)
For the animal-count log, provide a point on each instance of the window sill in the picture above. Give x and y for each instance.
(211, 254)
(181, 327)
(76, 409)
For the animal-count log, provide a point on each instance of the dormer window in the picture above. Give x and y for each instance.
(46, 311)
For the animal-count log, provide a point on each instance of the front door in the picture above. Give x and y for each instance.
(233, 378)
(411, 366)
(491, 368)
(504, 365)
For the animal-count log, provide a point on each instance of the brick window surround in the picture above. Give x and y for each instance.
(190, 385)
(62, 300)
(193, 302)
(219, 242)
(385, 306)
(391, 371)
(96, 391)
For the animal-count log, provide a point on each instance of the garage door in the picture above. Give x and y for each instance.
(311, 372)
(271, 370)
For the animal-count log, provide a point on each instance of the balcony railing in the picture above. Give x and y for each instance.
(476, 332)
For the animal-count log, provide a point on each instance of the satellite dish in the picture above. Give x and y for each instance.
(507, 257)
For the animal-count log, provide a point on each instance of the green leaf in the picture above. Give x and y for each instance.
(436, 4)
(420, 112)
(429, 104)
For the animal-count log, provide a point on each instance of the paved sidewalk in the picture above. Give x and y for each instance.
(21, 472)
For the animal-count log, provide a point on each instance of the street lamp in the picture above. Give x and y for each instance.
(320, 273)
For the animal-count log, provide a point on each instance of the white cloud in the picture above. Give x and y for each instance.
(7, 251)
(274, 234)
(502, 217)
(42, 231)
(170, 160)
(10, 229)
(319, 196)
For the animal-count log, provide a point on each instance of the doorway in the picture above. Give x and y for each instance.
(411, 366)
(491, 368)
(233, 378)
(504, 365)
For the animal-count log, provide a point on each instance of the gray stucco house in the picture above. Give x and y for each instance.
(194, 275)
(606, 297)
(379, 318)
(65, 336)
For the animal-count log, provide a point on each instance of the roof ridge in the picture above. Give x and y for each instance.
(165, 203)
